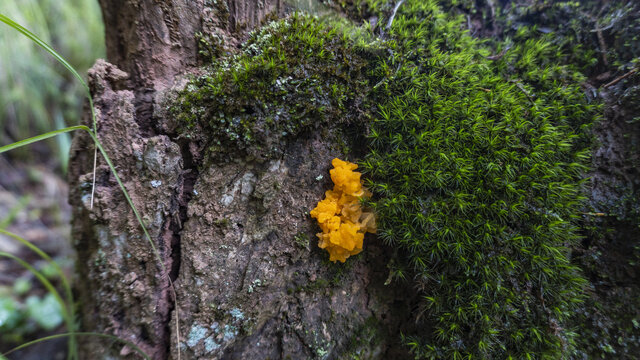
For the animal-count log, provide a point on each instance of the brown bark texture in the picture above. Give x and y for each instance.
(235, 238)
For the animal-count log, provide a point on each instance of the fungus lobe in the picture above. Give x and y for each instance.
(340, 214)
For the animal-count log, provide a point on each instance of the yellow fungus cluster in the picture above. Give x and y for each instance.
(340, 214)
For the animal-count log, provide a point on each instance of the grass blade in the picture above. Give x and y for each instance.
(69, 322)
(109, 163)
(41, 137)
(47, 258)
(43, 45)
(33, 37)
(93, 134)
(40, 277)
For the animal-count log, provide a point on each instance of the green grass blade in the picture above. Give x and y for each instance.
(44, 256)
(41, 137)
(57, 336)
(43, 45)
(126, 195)
(40, 277)
(144, 229)
(66, 314)
(33, 37)
(93, 134)
(109, 163)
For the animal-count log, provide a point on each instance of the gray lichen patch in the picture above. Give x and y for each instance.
(224, 328)
(241, 188)
(196, 334)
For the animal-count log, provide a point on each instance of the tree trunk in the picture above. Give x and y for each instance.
(235, 238)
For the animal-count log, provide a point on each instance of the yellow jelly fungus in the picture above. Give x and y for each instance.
(340, 215)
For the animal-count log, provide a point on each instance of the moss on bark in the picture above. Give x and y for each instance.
(293, 76)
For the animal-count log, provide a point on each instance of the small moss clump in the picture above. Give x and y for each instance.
(476, 162)
(292, 76)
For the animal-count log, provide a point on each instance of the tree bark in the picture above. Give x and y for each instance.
(235, 238)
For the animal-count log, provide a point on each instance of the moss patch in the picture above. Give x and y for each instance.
(477, 162)
(292, 76)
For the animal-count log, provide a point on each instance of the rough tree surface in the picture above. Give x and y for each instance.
(234, 232)
(235, 238)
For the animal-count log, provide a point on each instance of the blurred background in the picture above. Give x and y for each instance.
(38, 95)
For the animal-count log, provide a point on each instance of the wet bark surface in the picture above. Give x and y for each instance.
(235, 237)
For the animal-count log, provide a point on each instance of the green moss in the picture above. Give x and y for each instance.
(601, 40)
(592, 35)
(302, 240)
(476, 165)
(293, 76)
(314, 287)
(222, 223)
(210, 46)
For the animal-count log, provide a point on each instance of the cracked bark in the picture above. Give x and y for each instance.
(245, 289)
